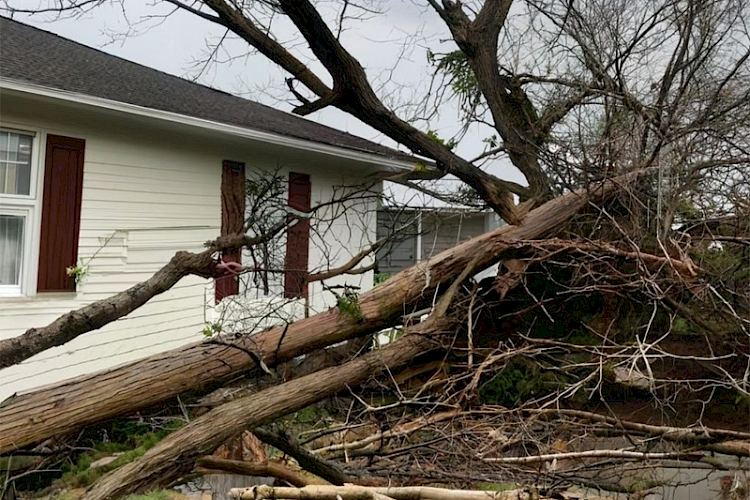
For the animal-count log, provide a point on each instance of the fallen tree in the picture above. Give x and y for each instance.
(63, 408)
(176, 455)
(573, 323)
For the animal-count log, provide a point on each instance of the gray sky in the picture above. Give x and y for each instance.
(392, 46)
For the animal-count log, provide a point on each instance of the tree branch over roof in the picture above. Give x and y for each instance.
(353, 93)
(513, 113)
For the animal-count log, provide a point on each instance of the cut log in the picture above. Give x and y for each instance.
(65, 407)
(174, 457)
(353, 492)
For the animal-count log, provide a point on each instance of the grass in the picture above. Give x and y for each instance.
(80, 474)
(154, 495)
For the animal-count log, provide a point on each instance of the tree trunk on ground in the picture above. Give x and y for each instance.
(175, 456)
(71, 405)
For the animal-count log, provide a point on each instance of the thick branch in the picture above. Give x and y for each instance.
(330, 471)
(514, 116)
(273, 50)
(209, 464)
(102, 312)
(354, 492)
(617, 454)
(355, 95)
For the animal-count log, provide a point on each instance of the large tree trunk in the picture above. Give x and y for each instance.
(67, 406)
(175, 456)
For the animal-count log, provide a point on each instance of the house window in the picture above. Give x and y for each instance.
(15, 163)
(57, 211)
(17, 204)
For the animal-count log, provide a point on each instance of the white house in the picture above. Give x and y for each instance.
(112, 166)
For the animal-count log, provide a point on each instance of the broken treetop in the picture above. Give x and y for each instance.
(28, 54)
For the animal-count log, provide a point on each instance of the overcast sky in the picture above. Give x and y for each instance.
(392, 46)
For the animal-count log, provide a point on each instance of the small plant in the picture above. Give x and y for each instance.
(451, 144)
(522, 379)
(348, 304)
(380, 278)
(210, 329)
(680, 325)
(79, 271)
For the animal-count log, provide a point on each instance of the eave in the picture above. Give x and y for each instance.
(381, 162)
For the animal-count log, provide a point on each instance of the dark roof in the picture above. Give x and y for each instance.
(39, 57)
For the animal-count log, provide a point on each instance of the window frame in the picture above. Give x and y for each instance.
(26, 206)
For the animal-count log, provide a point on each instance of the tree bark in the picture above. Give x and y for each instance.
(175, 456)
(67, 406)
(211, 465)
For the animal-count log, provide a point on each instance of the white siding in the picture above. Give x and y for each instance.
(148, 192)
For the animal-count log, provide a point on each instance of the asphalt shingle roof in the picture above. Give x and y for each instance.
(39, 57)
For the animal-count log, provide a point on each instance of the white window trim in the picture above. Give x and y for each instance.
(27, 206)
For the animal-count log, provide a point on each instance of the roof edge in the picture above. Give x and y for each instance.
(386, 162)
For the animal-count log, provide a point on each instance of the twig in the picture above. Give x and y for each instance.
(625, 454)
(398, 431)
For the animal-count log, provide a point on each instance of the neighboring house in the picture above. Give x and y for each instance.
(114, 167)
(418, 233)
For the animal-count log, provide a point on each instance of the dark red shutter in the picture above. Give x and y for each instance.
(232, 221)
(297, 238)
(61, 213)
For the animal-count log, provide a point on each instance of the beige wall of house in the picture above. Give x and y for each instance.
(150, 189)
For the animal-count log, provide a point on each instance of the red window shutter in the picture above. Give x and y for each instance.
(297, 238)
(61, 213)
(232, 221)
